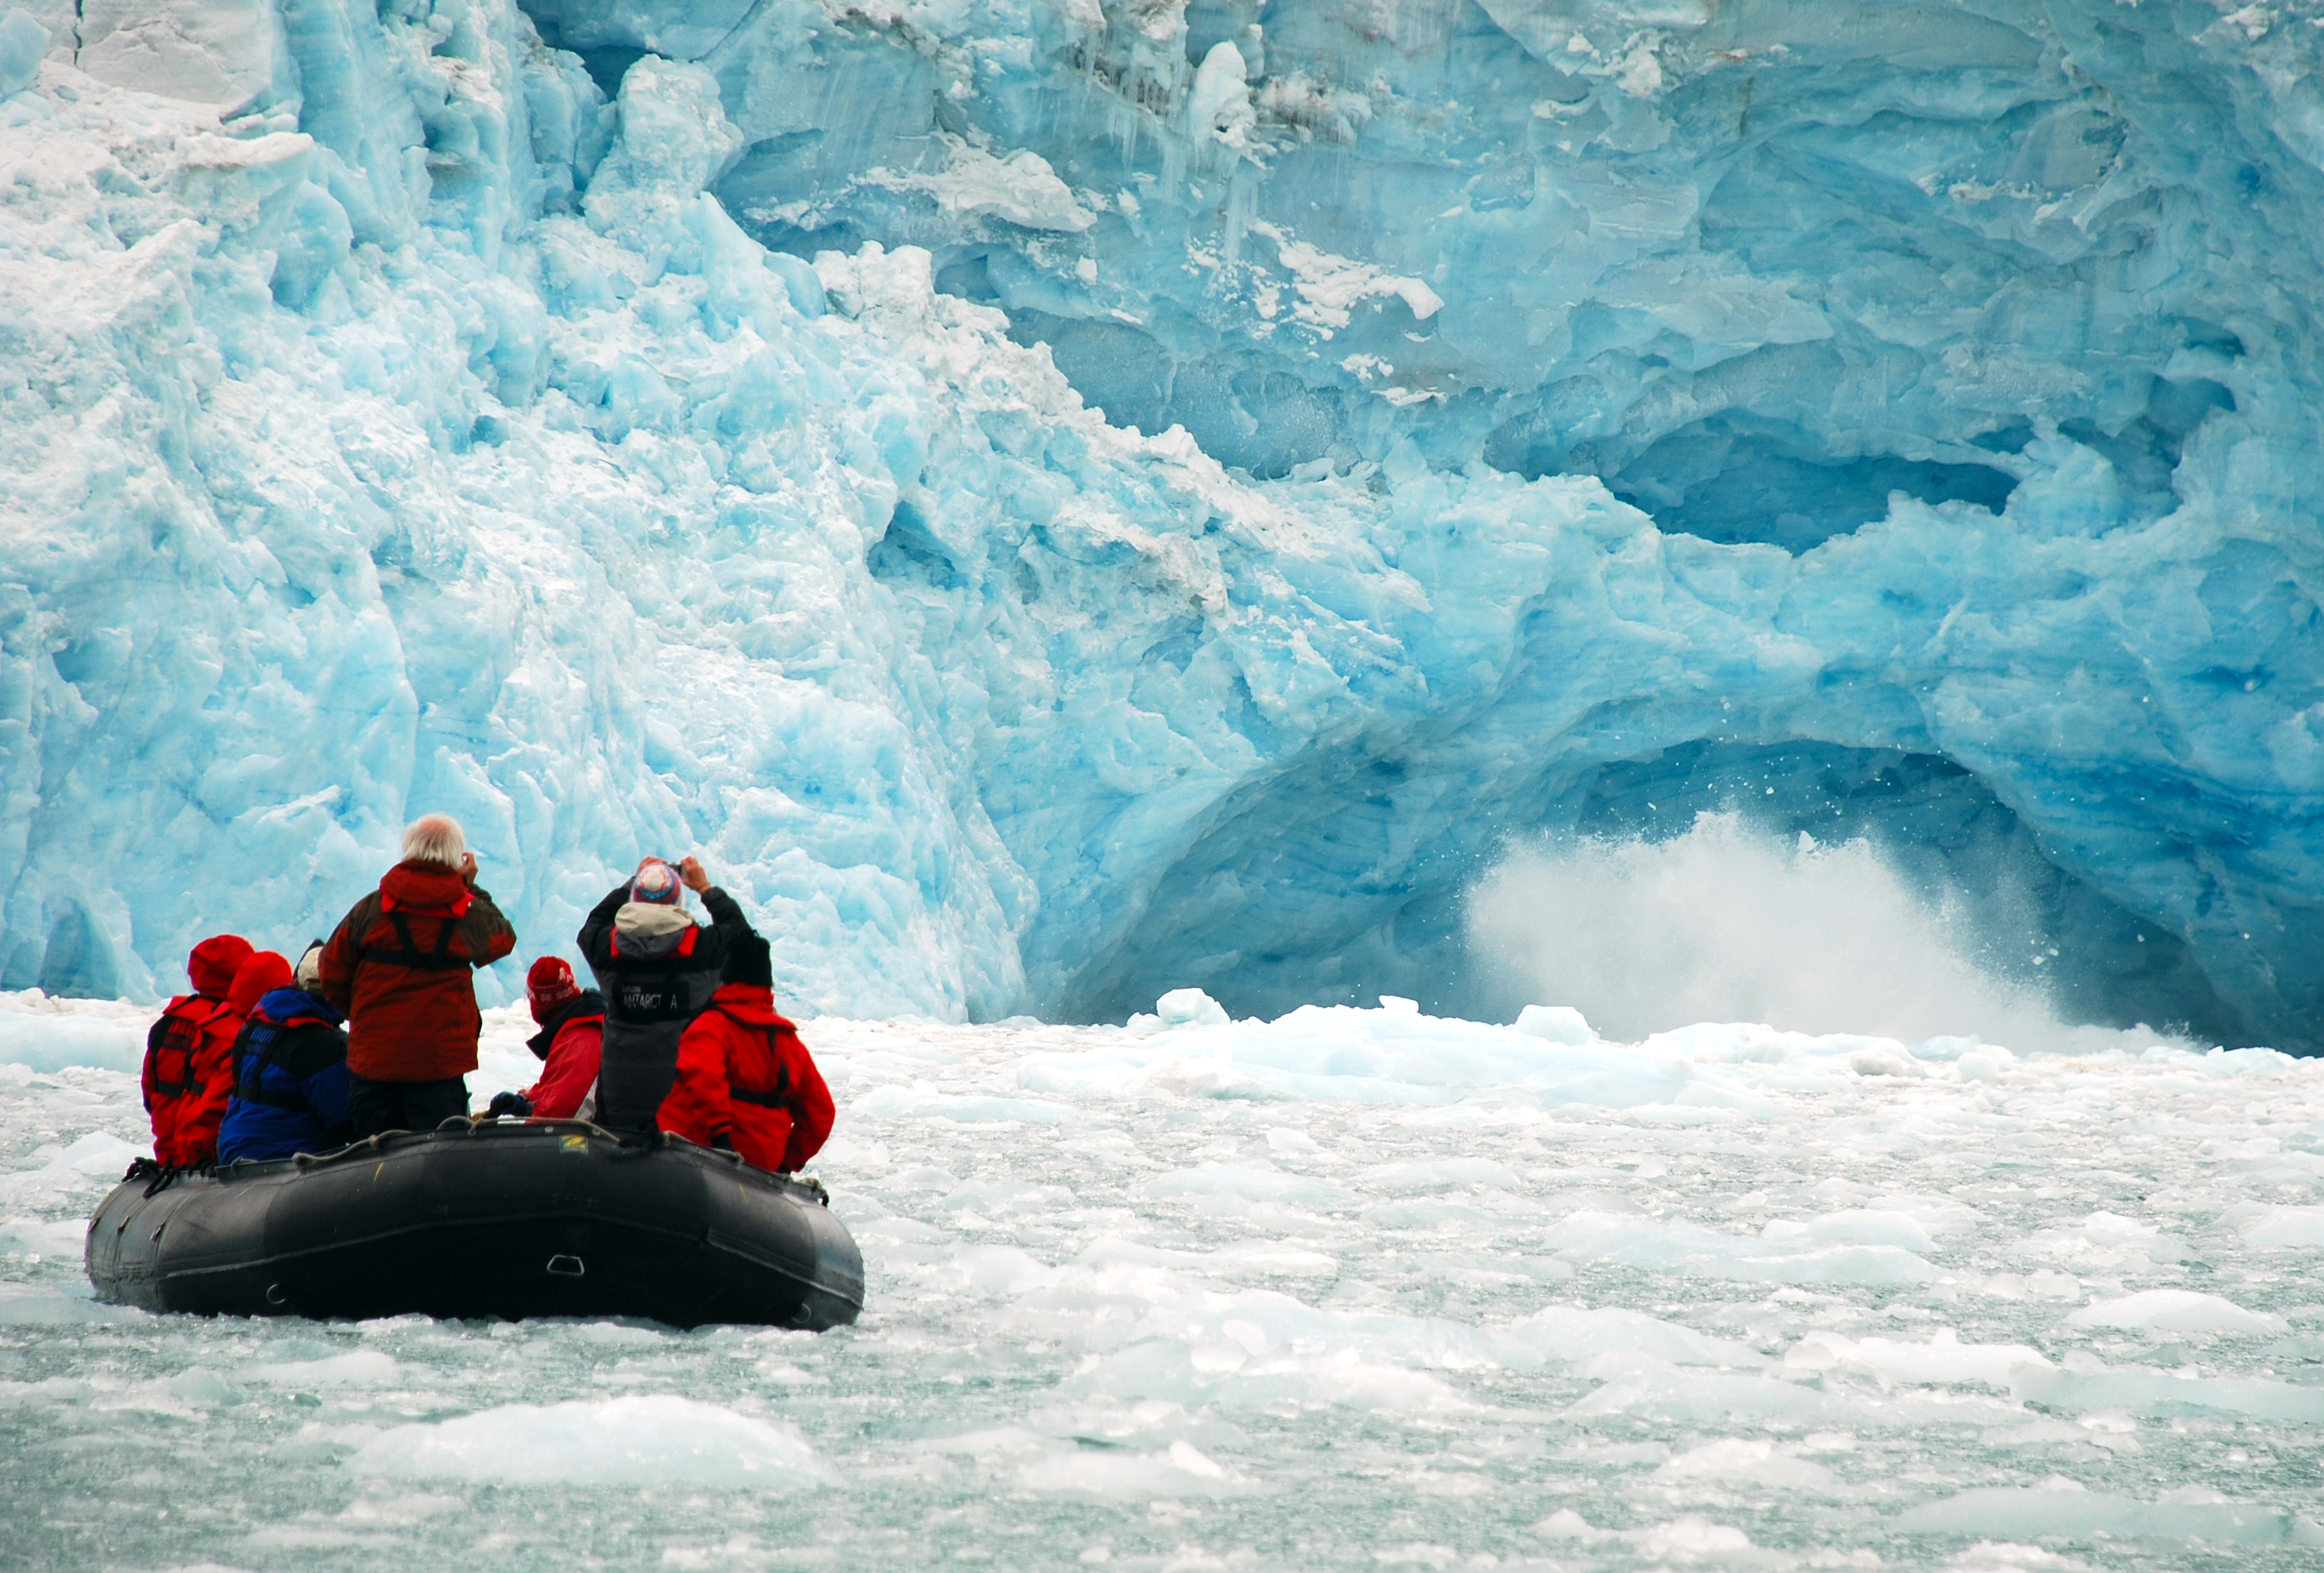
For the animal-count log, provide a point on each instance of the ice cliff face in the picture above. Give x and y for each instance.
(637, 427)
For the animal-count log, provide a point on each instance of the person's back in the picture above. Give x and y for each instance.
(745, 1080)
(290, 1074)
(400, 965)
(657, 969)
(569, 1046)
(188, 1055)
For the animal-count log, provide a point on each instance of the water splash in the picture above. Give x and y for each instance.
(1723, 924)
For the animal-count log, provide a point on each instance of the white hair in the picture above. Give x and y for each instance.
(434, 838)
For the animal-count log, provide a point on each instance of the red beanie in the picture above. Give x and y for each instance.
(213, 964)
(549, 985)
(261, 975)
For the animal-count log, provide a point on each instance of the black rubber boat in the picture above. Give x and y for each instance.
(495, 1219)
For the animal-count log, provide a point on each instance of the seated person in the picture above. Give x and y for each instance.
(745, 1082)
(570, 1041)
(188, 1055)
(290, 1087)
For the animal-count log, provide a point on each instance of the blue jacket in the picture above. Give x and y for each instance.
(290, 1080)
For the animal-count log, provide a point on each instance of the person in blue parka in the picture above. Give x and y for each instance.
(291, 1084)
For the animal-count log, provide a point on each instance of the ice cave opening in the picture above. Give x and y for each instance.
(1933, 836)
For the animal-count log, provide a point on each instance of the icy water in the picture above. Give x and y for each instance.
(1355, 1290)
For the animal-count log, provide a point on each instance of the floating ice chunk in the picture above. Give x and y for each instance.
(1939, 1215)
(27, 1305)
(1249, 1184)
(1819, 1251)
(2062, 1507)
(2287, 1226)
(643, 1440)
(2176, 1310)
(1439, 1174)
(1556, 1024)
(1339, 1052)
(1569, 1334)
(1854, 1227)
(2008, 1556)
(356, 1369)
(1942, 1361)
(99, 1153)
(1565, 1525)
(203, 1388)
(50, 1042)
(1189, 1008)
(1695, 1539)
(2160, 1395)
(1752, 1461)
(1703, 1396)
(2104, 1242)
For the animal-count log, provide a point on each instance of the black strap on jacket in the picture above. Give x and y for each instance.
(440, 959)
(781, 1096)
(247, 1084)
(181, 1036)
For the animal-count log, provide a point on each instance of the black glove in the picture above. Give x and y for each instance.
(509, 1106)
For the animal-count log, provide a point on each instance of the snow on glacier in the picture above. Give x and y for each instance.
(1528, 421)
(1348, 1290)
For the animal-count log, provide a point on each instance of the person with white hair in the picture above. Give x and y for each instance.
(400, 966)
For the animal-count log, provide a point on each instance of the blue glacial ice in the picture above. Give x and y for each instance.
(1061, 501)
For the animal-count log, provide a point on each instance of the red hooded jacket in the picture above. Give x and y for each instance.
(575, 1031)
(743, 1073)
(189, 1054)
(400, 964)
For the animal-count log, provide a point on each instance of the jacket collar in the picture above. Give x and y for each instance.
(647, 928)
(283, 1006)
(582, 1006)
(751, 1002)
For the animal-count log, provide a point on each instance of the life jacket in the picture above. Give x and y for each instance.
(647, 992)
(250, 1068)
(780, 1095)
(177, 1037)
(407, 952)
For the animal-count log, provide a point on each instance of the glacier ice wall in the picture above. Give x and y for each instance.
(633, 425)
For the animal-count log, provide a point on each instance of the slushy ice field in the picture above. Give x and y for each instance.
(1353, 1289)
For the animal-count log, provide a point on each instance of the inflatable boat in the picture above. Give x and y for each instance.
(538, 1217)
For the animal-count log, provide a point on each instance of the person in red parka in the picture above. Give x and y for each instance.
(745, 1081)
(570, 1042)
(400, 966)
(190, 1051)
(203, 1110)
